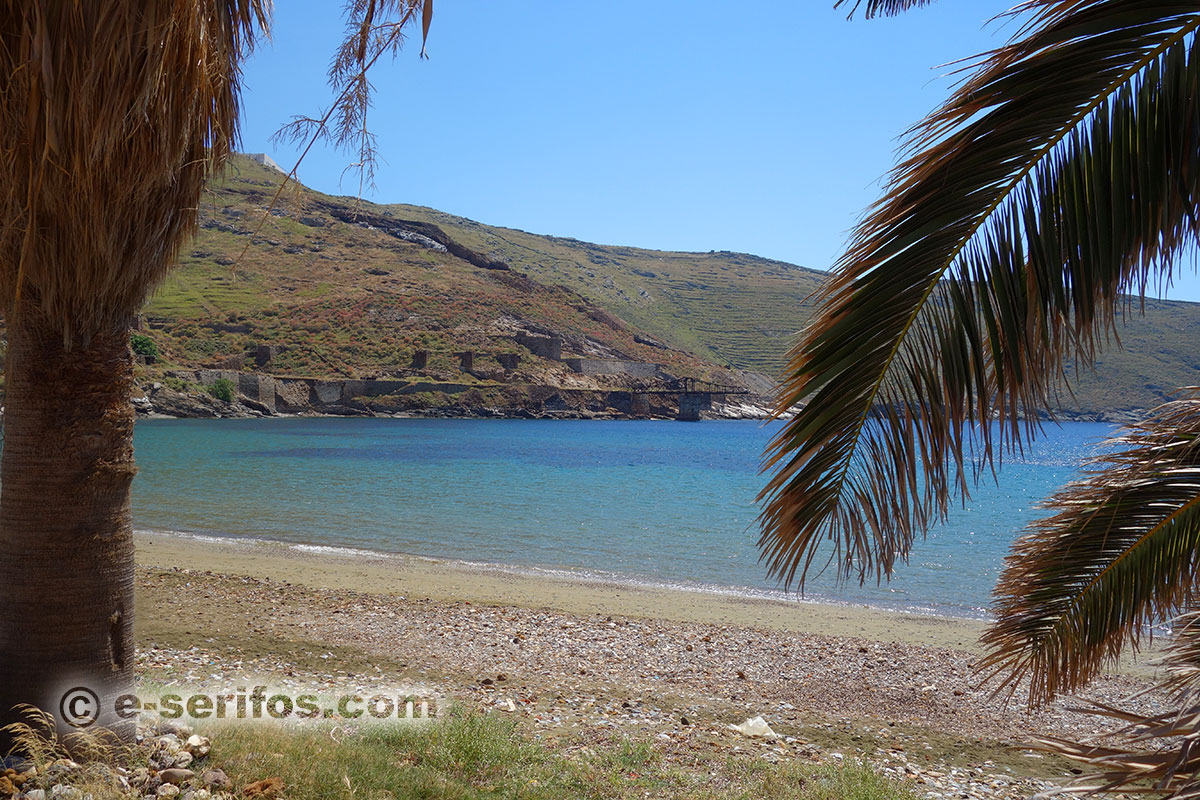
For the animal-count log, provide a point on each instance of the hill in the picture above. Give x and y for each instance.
(332, 288)
(731, 308)
(744, 311)
(400, 313)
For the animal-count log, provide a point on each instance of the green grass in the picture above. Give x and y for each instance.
(477, 756)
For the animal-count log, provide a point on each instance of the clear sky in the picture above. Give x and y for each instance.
(760, 127)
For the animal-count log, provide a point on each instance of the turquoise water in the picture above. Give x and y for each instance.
(657, 502)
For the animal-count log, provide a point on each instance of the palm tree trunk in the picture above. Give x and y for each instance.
(66, 535)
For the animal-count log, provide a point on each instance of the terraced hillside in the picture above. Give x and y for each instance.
(732, 308)
(327, 289)
(743, 310)
(348, 289)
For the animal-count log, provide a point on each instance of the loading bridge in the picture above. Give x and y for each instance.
(695, 395)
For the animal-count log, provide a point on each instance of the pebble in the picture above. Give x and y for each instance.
(215, 779)
(176, 775)
(581, 676)
(198, 746)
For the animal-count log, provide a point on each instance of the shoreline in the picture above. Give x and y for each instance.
(238, 410)
(328, 568)
(579, 665)
(570, 575)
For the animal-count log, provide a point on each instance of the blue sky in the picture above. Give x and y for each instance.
(759, 127)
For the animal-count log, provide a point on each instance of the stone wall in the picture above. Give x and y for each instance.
(272, 395)
(292, 395)
(692, 403)
(257, 387)
(547, 347)
(614, 366)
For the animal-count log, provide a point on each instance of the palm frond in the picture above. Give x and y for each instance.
(374, 29)
(1121, 553)
(1161, 751)
(877, 8)
(1060, 176)
(111, 116)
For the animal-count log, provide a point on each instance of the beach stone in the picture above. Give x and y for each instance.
(168, 790)
(35, 794)
(63, 768)
(177, 729)
(176, 775)
(198, 746)
(215, 779)
(182, 759)
(61, 791)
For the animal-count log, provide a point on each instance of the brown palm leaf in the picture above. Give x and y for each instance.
(1161, 754)
(1121, 552)
(1059, 177)
(878, 8)
(111, 116)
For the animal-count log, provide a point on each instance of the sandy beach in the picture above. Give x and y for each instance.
(580, 661)
(456, 581)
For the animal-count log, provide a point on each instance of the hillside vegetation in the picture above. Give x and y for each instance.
(744, 311)
(338, 291)
(350, 289)
(731, 308)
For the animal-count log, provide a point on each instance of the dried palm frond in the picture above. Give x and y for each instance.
(1121, 553)
(1161, 751)
(1060, 176)
(374, 28)
(111, 116)
(881, 8)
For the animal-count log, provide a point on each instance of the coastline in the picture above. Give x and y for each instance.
(454, 581)
(580, 664)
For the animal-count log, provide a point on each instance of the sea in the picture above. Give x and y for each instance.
(636, 502)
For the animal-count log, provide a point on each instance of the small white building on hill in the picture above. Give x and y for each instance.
(266, 161)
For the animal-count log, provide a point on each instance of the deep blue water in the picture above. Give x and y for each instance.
(660, 502)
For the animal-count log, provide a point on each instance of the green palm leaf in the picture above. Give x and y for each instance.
(1121, 552)
(1059, 177)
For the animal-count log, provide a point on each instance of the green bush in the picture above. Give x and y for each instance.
(143, 345)
(222, 389)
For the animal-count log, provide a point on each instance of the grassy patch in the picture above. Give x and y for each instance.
(477, 756)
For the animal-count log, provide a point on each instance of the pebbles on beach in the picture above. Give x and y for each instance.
(916, 713)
